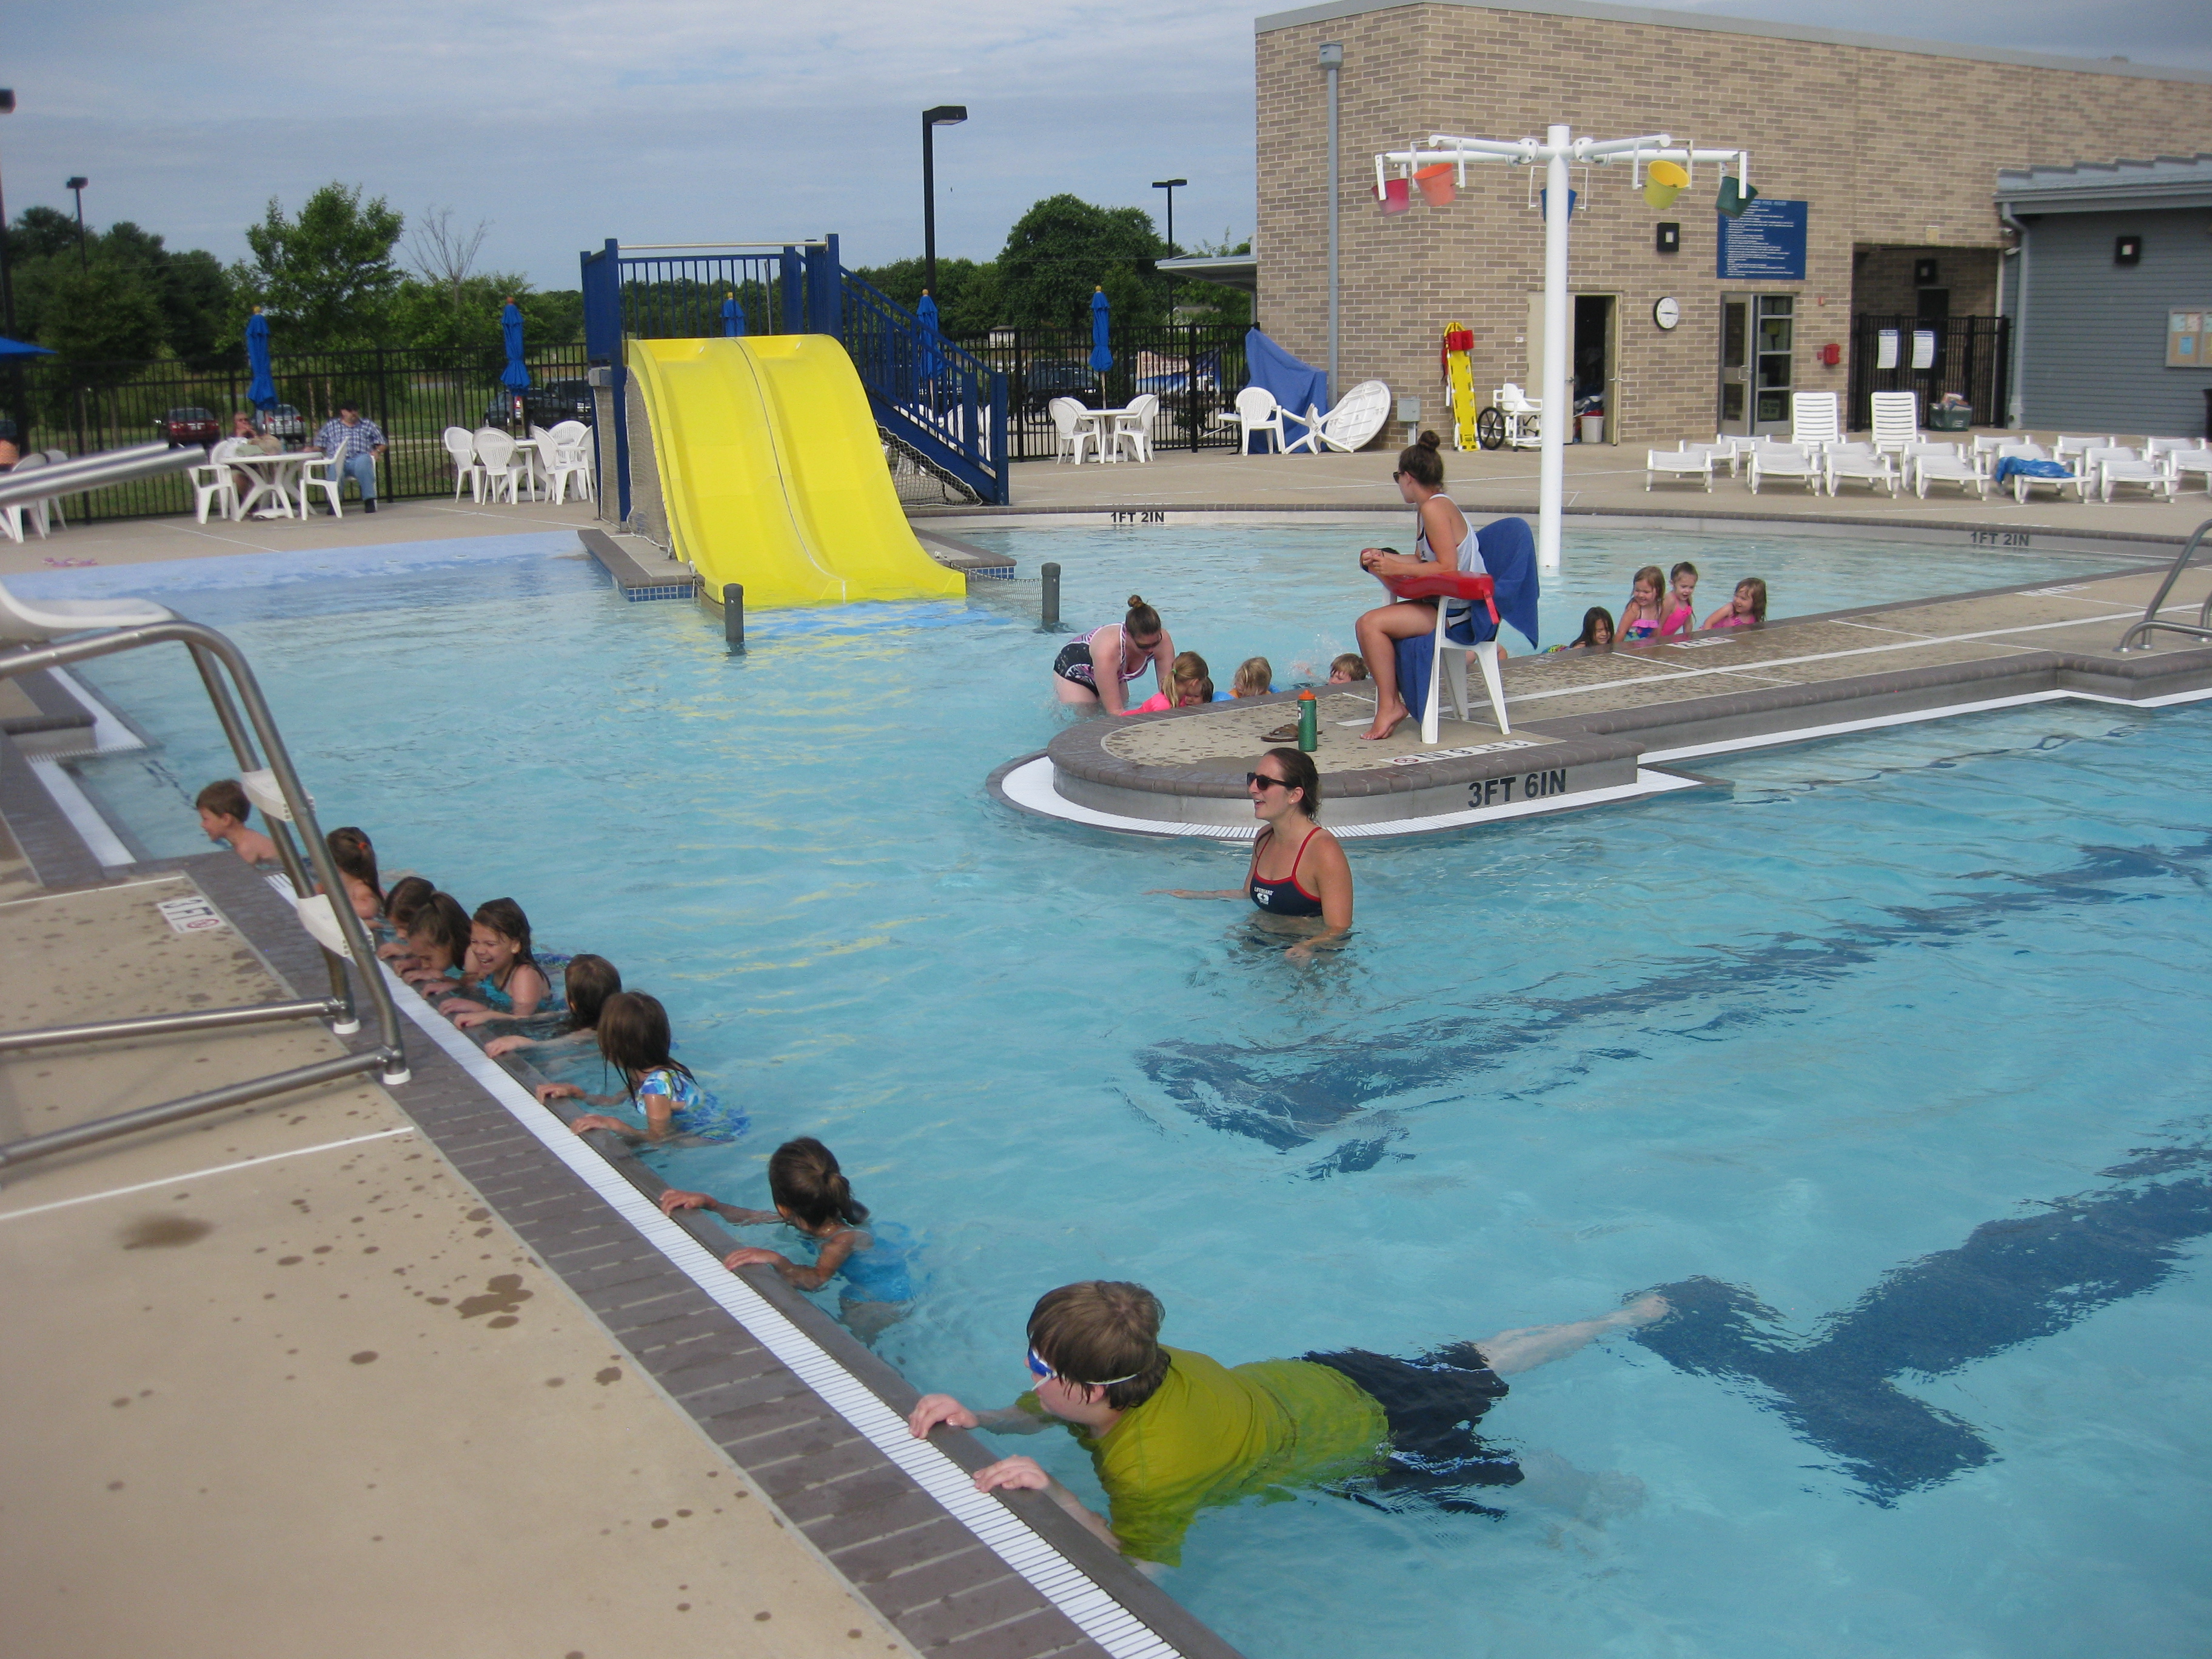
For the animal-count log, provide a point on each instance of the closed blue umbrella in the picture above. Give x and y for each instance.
(1102, 359)
(18, 348)
(262, 394)
(925, 309)
(514, 377)
(733, 316)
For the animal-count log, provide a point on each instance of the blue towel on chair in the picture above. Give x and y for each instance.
(2024, 466)
(1508, 548)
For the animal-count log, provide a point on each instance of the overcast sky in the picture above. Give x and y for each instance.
(687, 120)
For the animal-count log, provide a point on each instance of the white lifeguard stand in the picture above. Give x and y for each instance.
(1559, 151)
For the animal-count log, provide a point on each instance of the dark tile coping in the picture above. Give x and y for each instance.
(957, 555)
(57, 710)
(57, 854)
(929, 1575)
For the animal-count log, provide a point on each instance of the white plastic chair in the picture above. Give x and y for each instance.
(1683, 463)
(1987, 444)
(461, 444)
(2066, 449)
(1773, 460)
(1258, 412)
(2186, 461)
(576, 436)
(2117, 465)
(1134, 427)
(1858, 464)
(495, 450)
(1814, 420)
(2076, 478)
(1926, 461)
(1448, 659)
(1071, 420)
(317, 474)
(1896, 421)
(38, 512)
(213, 483)
(1351, 425)
(563, 461)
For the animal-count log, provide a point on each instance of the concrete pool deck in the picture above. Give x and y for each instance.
(420, 1364)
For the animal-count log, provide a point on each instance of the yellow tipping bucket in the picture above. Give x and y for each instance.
(1663, 183)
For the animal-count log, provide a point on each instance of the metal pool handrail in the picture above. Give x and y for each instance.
(2151, 624)
(389, 1057)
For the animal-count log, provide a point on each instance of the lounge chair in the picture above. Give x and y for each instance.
(1814, 420)
(1859, 463)
(2075, 478)
(1358, 416)
(1896, 421)
(1683, 463)
(1776, 460)
(2117, 465)
(1926, 463)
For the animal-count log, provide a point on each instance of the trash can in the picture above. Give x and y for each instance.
(1959, 418)
(1593, 428)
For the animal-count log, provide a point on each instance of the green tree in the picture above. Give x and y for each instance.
(967, 291)
(326, 279)
(1063, 248)
(104, 312)
(1213, 302)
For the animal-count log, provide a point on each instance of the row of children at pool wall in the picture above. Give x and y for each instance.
(1647, 617)
(481, 970)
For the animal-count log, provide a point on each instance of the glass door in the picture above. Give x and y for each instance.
(1775, 373)
(1735, 365)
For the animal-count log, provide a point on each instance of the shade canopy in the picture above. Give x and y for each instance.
(514, 377)
(1102, 357)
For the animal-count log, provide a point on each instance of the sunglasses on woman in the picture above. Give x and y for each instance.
(1265, 782)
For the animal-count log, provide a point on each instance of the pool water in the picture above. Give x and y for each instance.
(1889, 1059)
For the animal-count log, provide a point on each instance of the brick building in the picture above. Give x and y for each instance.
(1893, 145)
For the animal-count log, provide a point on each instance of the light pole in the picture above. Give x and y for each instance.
(75, 188)
(1170, 186)
(1557, 149)
(7, 282)
(1332, 61)
(944, 115)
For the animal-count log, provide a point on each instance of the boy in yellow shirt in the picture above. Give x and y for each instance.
(1172, 1432)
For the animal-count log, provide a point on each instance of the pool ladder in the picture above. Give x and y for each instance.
(2137, 638)
(275, 788)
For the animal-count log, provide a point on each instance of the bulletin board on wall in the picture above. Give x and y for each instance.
(2189, 338)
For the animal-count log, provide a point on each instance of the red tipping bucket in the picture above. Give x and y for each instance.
(1396, 195)
(1436, 182)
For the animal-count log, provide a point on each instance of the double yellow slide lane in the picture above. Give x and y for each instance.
(773, 475)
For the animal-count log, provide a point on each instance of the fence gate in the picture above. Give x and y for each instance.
(1971, 355)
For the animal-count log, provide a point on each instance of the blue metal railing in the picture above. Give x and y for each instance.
(946, 404)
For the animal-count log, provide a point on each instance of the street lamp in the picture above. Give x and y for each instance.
(75, 188)
(944, 115)
(7, 283)
(1170, 186)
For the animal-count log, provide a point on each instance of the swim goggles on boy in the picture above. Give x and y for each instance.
(1043, 1372)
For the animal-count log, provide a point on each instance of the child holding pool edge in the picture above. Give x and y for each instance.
(437, 944)
(1640, 618)
(634, 1039)
(1346, 668)
(222, 807)
(1256, 677)
(505, 981)
(812, 1196)
(587, 983)
(1746, 609)
(1680, 605)
(356, 861)
(1192, 684)
(1596, 635)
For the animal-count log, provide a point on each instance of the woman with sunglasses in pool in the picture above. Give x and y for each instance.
(1098, 667)
(1298, 875)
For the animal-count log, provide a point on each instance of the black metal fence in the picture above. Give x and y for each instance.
(1972, 357)
(1196, 369)
(414, 395)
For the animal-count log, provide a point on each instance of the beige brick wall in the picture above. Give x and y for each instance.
(1890, 148)
(1882, 281)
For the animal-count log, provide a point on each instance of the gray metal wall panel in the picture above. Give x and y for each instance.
(2094, 354)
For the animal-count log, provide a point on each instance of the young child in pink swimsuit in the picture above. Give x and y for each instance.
(1746, 609)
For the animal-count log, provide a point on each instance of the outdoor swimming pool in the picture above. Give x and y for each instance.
(1801, 1040)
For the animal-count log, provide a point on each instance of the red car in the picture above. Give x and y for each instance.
(188, 426)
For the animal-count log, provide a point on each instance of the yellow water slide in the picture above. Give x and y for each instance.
(772, 474)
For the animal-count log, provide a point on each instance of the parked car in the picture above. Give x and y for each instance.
(546, 405)
(283, 422)
(188, 426)
(1043, 382)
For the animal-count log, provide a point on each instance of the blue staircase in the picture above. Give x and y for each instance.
(945, 405)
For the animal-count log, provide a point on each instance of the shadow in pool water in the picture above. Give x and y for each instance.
(2011, 1282)
(1289, 1097)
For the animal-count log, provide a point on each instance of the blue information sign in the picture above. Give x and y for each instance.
(1766, 245)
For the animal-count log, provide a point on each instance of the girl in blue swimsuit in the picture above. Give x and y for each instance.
(812, 1196)
(635, 1038)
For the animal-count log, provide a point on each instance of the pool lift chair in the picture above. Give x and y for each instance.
(36, 634)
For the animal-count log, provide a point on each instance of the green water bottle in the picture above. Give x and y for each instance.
(1309, 722)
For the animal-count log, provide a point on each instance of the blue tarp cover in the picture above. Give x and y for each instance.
(1298, 386)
